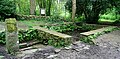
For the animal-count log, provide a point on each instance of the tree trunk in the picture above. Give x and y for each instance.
(49, 7)
(32, 7)
(73, 9)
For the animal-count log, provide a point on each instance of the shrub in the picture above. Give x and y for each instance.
(7, 9)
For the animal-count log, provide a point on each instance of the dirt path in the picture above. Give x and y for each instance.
(108, 47)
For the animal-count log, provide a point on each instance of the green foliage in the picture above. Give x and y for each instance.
(2, 38)
(22, 7)
(108, 17)
(28, 35)
(61, 27)
(92, 8)
(69, 27)
(47, 19)
(80, 19)
(117, 22)
(7, 9)
(111, 14)
(86, 27)
(24, 36)
(43, 37)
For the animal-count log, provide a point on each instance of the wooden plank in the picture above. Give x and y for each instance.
(96, 31)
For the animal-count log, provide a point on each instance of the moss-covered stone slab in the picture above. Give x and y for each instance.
(52, 32)
(96, 31)
(52, 37)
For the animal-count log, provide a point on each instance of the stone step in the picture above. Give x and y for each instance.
(27, 48)
(96, 31)
(27, 44)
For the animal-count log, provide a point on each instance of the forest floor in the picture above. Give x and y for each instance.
(108, 47)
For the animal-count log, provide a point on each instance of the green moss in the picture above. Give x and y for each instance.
(11, 21)
(11, 24)
(50, 39)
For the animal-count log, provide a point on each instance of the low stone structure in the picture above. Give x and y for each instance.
(52, 37)
(97, 31)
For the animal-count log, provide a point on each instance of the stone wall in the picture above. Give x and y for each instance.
(29, 17)
(52, 37)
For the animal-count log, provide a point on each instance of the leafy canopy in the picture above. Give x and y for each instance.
(92, 8)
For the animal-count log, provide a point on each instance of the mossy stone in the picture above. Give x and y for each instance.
(11, 24)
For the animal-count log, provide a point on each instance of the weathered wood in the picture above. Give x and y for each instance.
(96, 31)
(32, 6)
(12, 42)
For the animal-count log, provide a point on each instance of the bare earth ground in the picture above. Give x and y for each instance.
(108, 47)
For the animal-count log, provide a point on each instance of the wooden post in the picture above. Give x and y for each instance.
(12, 42)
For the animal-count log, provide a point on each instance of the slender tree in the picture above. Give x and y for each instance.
(73, 9)
(32, 6)
(48, 7)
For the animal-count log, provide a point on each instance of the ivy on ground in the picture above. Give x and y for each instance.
(23, 35)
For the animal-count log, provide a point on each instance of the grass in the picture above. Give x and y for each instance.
(42, 21)
(105, 20)
(32, 22)
(108, 16)
(108, 19)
